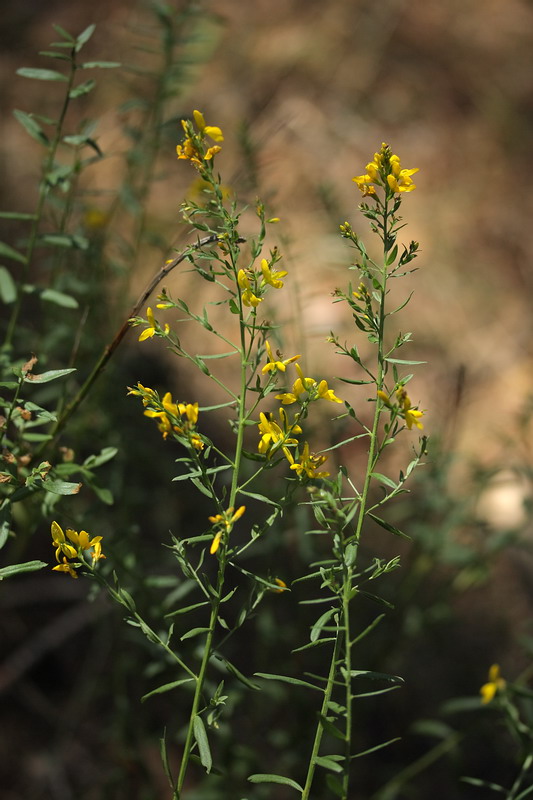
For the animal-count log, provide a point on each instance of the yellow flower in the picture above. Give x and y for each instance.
(282, 585)
(315, 390)
(385, 170)
(153, 328)
(227, 519)
(273, 364)
(272, 277)
(61, 544)
(66, 567)
(207, 130)
(327, 394)
(384, 397)
(215, 544)
(494, 685)
(411, 415)
(248, 297)
(82, 542)
(274, 435)
(308, 464)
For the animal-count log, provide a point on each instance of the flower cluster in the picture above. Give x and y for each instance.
(316, 390)
(252, 285)
(274, 435)
(403, 407)
(177, 418)
(224, 523)
(194, 147)
(75, 547)
(385, 170)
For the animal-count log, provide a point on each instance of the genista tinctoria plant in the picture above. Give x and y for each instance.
(270, 402)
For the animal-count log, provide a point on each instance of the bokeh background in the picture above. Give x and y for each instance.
(305, 92)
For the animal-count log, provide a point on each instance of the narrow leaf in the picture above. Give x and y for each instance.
(327, 763)
(193, 632)
(100, 65)
(84, 37)
(10, 252)
(165, 688)
(377, 747)
(46, 377)
(240, 677)
(15, 569)
(31, 126)
(8, 289)
(286, 679)
(42, 74)
(203, 744)
(59, 298)
(388, 527)
(264, 778)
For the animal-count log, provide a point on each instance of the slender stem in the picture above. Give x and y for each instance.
(43, 192)
(323, 711)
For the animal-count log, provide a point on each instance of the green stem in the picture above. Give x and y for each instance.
(43, 192)
(208, 647)
(323, 711)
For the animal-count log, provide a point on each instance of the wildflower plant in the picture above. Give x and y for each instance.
(343, 507)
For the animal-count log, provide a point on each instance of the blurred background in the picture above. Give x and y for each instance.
(305, 92)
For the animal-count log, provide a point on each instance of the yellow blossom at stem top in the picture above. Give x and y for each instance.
(385, 170)
(495, 684)
(207, 130)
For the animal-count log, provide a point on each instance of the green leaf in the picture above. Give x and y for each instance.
(42, 74)
(167, 687)
(164, 759)
(84, 37)
(5, 522)
(31, 126)
(318, 642)
(8, 288)
(334, 785)
(105, 455)
(61, 487)
(375, 676)
(46, 377)
(327, 762)
(59, 298)
(376, 747)
(82, 88)
(286, 679)
(62, 32)
(100, 65)
(260, 777)
(403, 361)
(193, 632)
(240, 677)
(16, 215)
(330, 728)
(10, 252)
(203, 744)
(388, 527)
(319, 624)
(16, 569)
(186, 609)
(384, 479)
